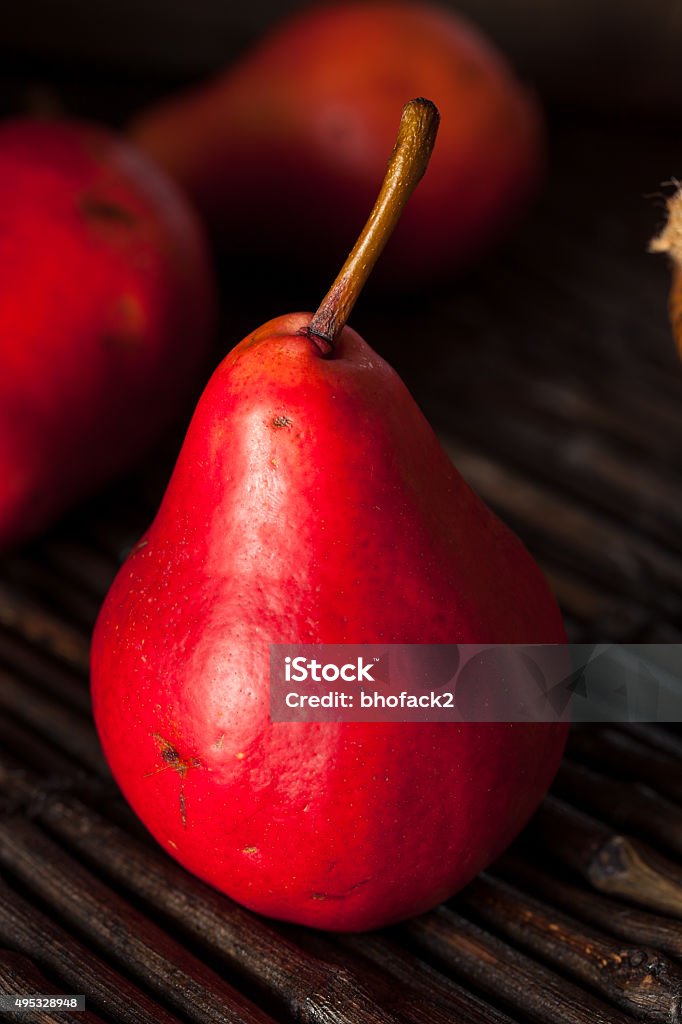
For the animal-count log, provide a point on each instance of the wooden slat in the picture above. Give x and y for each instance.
(636, 978)
(119, 931)
(18, 975)
(624, 754)
(72, 731)
(617, 918)
(626, 805)
(37, 937)
(305, 985)
(504, 974)
(611, 862)
(28, 619)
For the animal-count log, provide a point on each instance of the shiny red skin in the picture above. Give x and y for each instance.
(106, 312)
(347, 524)
(290, 145)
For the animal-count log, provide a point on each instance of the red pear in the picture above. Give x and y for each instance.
(309, 114)
(106, 311)
(312, 503)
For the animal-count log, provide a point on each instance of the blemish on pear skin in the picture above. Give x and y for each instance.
(279, 422)
(172, 758)
(250, 850)
(340, 895)
(181, 765)
(107, 211)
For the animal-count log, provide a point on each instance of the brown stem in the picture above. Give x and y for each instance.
(408, 161)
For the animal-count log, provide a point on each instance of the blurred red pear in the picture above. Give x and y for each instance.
(106, 310)
(285, 151)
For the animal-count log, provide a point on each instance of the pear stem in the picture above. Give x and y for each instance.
(407, 163)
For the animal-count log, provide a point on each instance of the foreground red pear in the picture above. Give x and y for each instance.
(106, 311)
(309, 113)
(313, 503)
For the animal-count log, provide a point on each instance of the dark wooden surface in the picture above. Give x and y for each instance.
(551, 375)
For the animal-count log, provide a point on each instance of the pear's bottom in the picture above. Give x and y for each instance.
(348, 827)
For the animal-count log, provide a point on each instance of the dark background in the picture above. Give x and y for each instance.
(550, 372)
(599, 53)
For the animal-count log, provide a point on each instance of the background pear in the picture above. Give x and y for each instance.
(106, 312)
(309, 114)
(313, 503)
